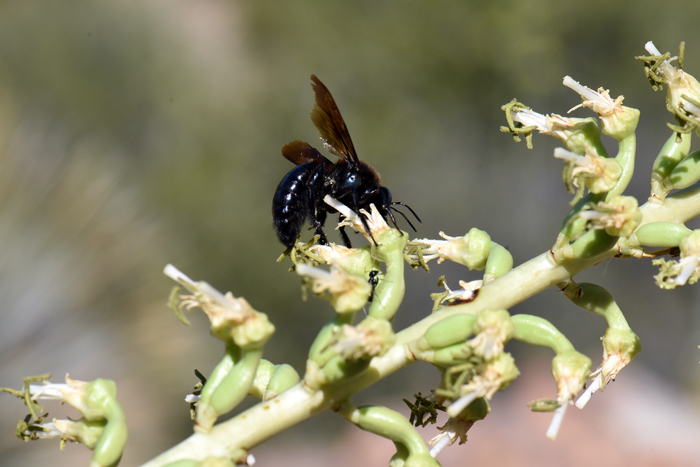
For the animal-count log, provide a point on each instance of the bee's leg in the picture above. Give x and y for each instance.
(386, 203)
(356, 208)
(317, 217)
(317, 210)
(317, 220)
(346, 239)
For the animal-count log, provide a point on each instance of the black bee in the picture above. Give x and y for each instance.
(352, 182)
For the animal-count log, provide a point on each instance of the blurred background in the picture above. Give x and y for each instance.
(135, 134)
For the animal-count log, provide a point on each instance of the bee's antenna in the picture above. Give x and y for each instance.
(402, 214)
(409, 208)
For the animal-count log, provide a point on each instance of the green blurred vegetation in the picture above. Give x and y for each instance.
(133, 134)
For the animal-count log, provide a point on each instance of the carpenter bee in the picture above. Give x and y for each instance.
(352, 182)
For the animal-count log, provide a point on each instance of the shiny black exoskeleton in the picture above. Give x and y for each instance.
(352, 182)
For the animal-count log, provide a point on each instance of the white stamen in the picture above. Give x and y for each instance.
(586, 396)
(692, 108)
(590, 214)
(221, 299)
(460, 404)
(689, 265)
(587, 94)
(341, 208)
(177, 275)
(49, 391)
(561, 153)
(313, 272)
(443, 442)
(530, 118)
(52, 432)
(651, 48)
(190, 398)
(556, 421)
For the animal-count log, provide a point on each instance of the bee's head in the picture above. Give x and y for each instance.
(360, 178)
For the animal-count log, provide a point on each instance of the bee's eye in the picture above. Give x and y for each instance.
(351, 178)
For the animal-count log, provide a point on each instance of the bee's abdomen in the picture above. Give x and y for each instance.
(291, 203)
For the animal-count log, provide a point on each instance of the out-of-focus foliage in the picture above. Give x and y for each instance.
(138, 133)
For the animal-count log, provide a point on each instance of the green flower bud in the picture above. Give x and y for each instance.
(445, 357)
(687, 172)
(283, 378)
(500, 262)
(227, 387)
(588, 245)
(451, 330)
(661, 234)
(340, 369)
(672, 152)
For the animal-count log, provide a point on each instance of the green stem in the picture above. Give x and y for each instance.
(266, 419)
(538, 331)
(102, 400)
(394, 426)
(390, 290)
(596, 299)
(625, 156)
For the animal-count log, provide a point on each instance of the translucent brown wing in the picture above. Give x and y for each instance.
(299, 152)
(330, 124)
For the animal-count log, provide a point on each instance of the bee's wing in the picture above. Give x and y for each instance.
(330, 124)
(300, 152)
